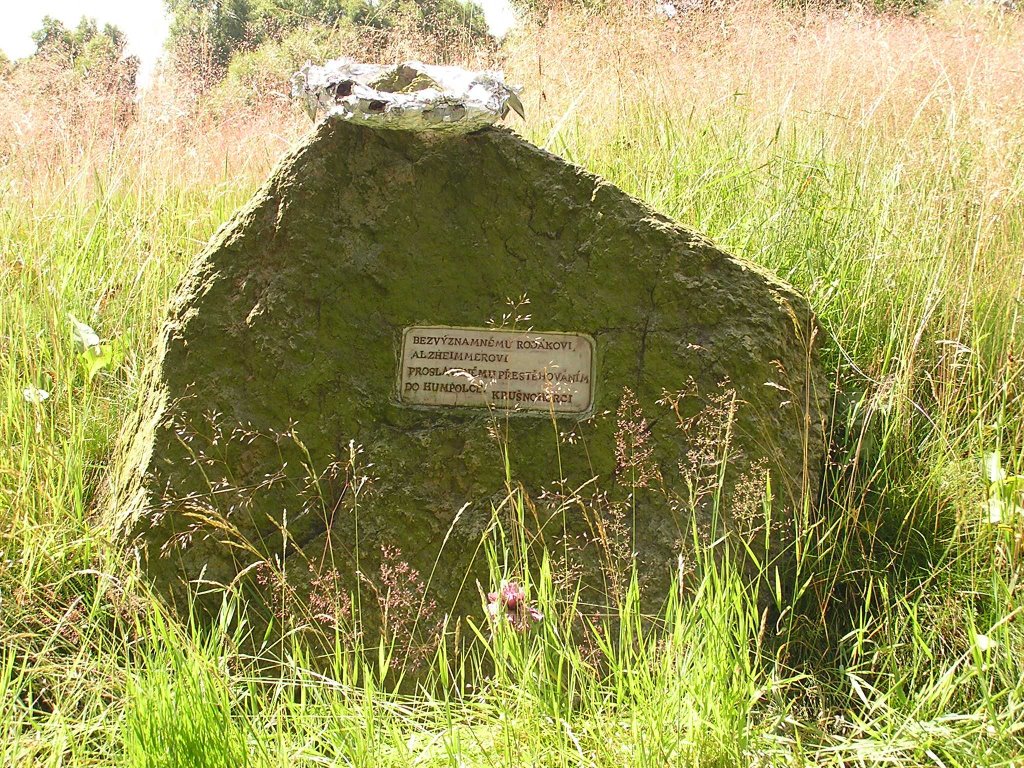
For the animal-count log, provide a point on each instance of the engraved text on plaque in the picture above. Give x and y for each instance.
(507, 370)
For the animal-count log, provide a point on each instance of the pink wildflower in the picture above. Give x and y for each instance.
(509, 602)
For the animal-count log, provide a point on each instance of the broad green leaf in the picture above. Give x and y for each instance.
(995, 507)
(994, 467)
(101, 356)
(84, 336)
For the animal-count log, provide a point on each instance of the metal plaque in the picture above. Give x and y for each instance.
(497, 369)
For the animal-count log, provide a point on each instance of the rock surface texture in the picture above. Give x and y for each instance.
(281, 352)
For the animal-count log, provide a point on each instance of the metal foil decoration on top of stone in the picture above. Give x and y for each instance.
(411, 96)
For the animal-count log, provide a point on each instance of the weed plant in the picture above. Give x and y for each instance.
(876, 162)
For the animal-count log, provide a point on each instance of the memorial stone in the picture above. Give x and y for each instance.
(346, 367)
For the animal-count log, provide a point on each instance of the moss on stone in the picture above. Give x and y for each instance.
(290, 322)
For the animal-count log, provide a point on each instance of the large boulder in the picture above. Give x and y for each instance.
(692, 382)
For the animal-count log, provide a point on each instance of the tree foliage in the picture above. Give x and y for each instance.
(87, 48)
(205, 34)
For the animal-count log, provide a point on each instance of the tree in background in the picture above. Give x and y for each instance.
(53, 38)
(87, 48)
(206, 34)
(546, 5)
(86, 59)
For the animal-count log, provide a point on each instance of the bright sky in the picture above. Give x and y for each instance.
(143, 21)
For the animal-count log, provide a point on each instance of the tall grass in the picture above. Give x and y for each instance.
(876, 162)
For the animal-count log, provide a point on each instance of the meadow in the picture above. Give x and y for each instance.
(875, 161)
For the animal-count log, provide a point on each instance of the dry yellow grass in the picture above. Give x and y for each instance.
(953, 73)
